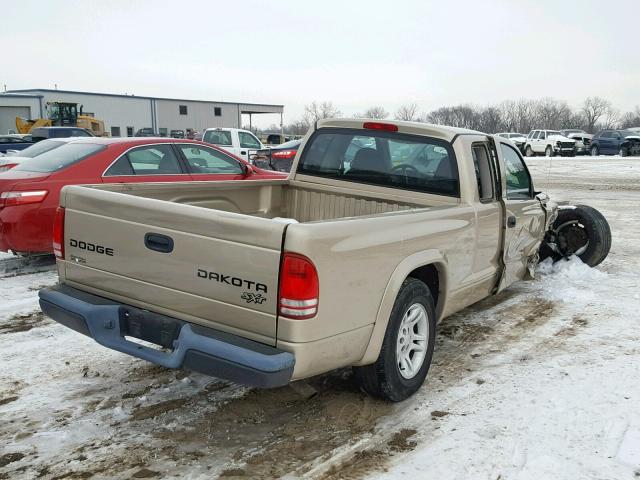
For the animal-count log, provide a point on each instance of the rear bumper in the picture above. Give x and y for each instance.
(189, 346)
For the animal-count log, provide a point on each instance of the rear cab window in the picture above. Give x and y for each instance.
(387, 159)
(218, 137)
(60, 158)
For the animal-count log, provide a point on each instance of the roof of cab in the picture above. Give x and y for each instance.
(412, 128)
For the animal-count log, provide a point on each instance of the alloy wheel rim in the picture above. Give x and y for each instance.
(413, 337)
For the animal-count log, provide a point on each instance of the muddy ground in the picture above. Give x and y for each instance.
(71, 409)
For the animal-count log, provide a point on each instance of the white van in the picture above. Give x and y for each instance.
(234, 140)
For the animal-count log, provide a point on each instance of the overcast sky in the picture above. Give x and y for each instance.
(354, 53)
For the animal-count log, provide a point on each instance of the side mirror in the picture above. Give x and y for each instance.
(247, 169)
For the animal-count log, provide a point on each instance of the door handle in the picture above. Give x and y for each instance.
(511, 221)
(158, 243)
(243, 152)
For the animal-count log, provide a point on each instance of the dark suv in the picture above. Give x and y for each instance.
(616, 142)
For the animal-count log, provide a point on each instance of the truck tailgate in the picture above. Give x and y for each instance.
(216, 268)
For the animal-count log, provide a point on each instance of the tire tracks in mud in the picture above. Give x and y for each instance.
(482, 330)
(232, 432)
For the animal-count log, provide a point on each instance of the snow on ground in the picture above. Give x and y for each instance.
(540, 381)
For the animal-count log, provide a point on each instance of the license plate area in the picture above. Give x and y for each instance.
(150, 327)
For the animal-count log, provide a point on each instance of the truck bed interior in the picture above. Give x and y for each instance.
(301, 201)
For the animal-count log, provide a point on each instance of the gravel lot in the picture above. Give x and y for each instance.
(540, 381)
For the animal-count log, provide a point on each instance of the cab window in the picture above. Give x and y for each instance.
(482, 165)
(217, 137)
(203, 160)
(248, 141)
(386, 159)
(519, 185)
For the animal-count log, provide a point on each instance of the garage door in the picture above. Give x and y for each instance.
(8, 117)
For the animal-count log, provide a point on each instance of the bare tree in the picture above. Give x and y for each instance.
(317, 111)
(407, 113)
(593, 109)
(297, 127)
(630, 119)
(374, 112)
(611, 118)
(490, 120)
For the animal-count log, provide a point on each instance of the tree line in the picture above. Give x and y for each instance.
(522, 116)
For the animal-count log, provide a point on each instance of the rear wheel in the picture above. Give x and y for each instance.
(528, 151)
(594, 151)
(582, 231)
(407, 347)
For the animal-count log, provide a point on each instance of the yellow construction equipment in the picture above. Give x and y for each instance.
(63, 114)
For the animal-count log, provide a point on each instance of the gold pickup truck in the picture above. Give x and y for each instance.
(380, 231)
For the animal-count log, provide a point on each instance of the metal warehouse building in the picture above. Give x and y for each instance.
(123, 115)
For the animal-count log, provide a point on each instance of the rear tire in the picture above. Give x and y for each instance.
(595, 151)
(581, 231)
(393, 377)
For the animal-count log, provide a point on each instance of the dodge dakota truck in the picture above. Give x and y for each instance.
(380, 231)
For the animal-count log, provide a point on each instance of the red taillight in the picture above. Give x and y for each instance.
(387, 127)
(11, 199)
(284, 154)
(299, 287)
(7, 166)
(58, 233)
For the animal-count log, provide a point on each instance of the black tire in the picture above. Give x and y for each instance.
(528, 152)
(623, 152)
(569, 230)
(548, 152)
(382, 379)
(595, 151)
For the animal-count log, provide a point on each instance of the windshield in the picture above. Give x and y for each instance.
(382, 158)
(60, 158)
(217, 137)
(39, 148)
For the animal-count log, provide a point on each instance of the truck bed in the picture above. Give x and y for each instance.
(274, 199)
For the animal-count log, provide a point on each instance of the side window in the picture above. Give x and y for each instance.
(536, 134)
(203, 160)
(542, 136)
(149, 160)
(248, 141)
(120, 167)
(482, 164)
(517, 176)
(605, 135)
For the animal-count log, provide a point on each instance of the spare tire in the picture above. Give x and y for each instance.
(581, 231)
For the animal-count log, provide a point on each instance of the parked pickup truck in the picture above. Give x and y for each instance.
(380, 231)
(242, 143)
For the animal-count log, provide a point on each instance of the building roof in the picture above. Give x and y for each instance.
(37, 91)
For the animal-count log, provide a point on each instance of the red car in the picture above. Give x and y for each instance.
(30, 192)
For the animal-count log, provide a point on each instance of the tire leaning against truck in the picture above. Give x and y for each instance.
(592, 223)
(384, 379)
